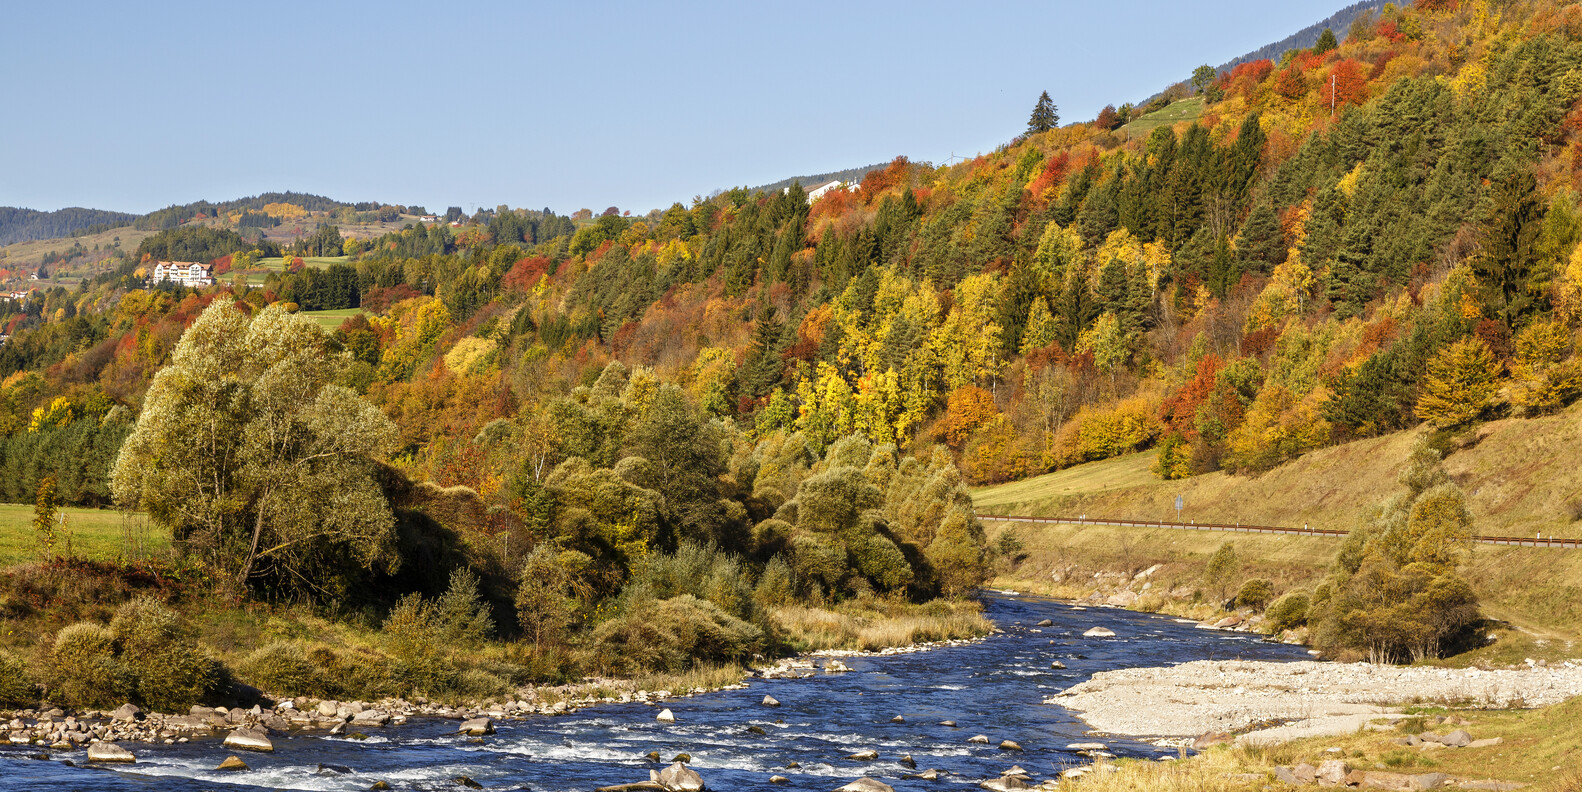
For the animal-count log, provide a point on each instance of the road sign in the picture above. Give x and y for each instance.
(1178, 504)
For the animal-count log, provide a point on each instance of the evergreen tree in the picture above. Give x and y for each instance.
(762, 367)
(1045, 115)
(1508, 277)
(1261, 245)
(1326, 42)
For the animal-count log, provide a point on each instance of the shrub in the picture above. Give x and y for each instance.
(776, 586)
(1254, 593)
(15, 689)
(670, 635)
(462, 617)
(83, 669)
(1288, 612)
(544, 605)
(415, 634)
(1222, 566)
(282, 668)
(172, 673)
(480, 684)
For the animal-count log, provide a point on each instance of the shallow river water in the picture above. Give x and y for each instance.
(994, 688)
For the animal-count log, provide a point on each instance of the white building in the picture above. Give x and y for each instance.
(818, 192)
(186, 273)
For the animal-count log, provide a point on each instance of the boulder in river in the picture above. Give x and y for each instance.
(1045, 623)
(866, 785)
(758, 730)
(680, 778)
(771, 701)
(979, 738)
(864, 756)
(908, 761)
(126, 712)
(1099, 632)
(232, 763)
(1057, 664)
(109, 752)
(779, 779)
(927, 775)
(898, 719)
(1009, 745)
(249, 740)
(476, 727)
(834, 666)
(665, 716)
(1006, 783)
(951, 724)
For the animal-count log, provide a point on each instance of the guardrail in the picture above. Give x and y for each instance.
(1513, 541)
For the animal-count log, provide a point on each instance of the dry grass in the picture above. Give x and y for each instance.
(1541, 747)
(871, 625)
(1521, 478)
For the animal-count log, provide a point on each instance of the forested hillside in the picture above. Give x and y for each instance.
(22, 225)
(1356, 238)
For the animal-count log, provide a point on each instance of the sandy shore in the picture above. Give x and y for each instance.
(1226, 696)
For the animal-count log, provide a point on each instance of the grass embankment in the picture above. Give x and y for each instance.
(1541, 747)
(1521, 477)
(95, 534)
(1173, 113)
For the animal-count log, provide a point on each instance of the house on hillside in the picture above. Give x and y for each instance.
(818, 192)
(186, 273)
(429, 218)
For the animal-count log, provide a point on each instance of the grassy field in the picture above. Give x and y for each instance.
(1175, 112)
(331, 320)
(98, 534)
(278, 263)
(31, 253)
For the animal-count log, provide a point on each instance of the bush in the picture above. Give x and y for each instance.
(670, 635)
(776, 586)
(282, 668)
(15, 689)
(1254, 593)
(83, 669)
(1288, 612)
(172, 673)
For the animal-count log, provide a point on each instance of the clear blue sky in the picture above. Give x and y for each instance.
(135, 106)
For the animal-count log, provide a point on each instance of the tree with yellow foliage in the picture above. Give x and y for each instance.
(1546, 378)
(1461, 383)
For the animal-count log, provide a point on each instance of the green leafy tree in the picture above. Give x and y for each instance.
(1202, 77)
(45, 508)
(1222, 568)
(253, 459)
(1045, 115)
(545, 605)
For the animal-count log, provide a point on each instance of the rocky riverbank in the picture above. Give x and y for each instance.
(249, 728)
(1300, 699)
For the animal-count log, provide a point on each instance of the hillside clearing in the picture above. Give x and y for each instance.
(1174, 113)
(96, 534)
(331, 320)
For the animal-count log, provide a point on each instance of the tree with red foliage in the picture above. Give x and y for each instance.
(1180, 410)
(1053, 175)
(1289, 83)
(1246, 77)
(1108, 118)
(876, 182)
(1345, 85)
(525, 274)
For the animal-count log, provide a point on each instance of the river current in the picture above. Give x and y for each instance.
(994, 687)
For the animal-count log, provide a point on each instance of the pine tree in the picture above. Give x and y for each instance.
(1261, 245)
(763, 366)
(1507, 272)
(1326, 42)
(1045, 115)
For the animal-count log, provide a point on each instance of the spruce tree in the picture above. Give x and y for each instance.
(1261, 245)
(1326, 42)
(1045, 115)
(1507, 271)
(763, 366)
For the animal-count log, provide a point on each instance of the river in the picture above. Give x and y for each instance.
(994, 687)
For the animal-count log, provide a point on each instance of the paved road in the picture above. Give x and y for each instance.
(1515, 541)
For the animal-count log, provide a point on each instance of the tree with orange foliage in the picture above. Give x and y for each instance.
(966, 409)
(1289, 83)
(1345, 85)
(1180, 410)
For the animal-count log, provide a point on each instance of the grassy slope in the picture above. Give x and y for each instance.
(31, 253)
(1175, 112)
(331, 320)
(95, 534)
(1520, 478)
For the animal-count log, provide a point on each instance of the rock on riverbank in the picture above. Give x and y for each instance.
(1226, 696)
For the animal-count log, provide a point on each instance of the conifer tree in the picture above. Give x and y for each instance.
(1261, 245)
(1045, 115)
(1507, 272)
(1460, 384)
(1326, 42)
(762, 368)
